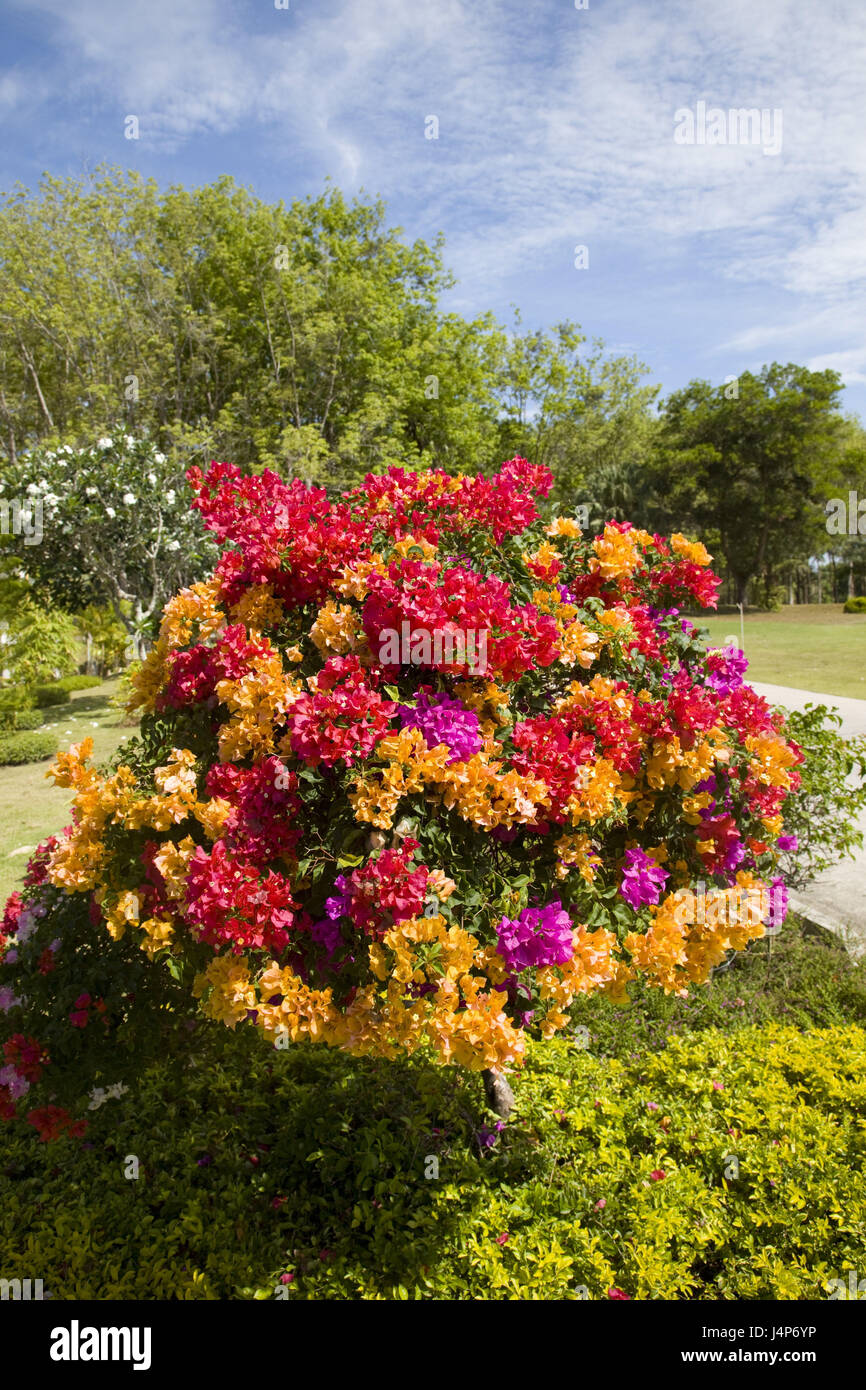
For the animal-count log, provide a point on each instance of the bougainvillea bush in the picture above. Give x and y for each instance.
(417, 768)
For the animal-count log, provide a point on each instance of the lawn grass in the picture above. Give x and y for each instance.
(31, 807)
(806, 646)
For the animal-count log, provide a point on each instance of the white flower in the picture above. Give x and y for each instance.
(99, 1095)
(109, 511)
(170, 495)
(32, 489)
(105, 442)
(90, 491)
(151, 478)
(173, 545)
(128, 441)
(159, 458)
(129, 499)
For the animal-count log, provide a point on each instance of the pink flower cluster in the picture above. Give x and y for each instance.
(429, 596)
(343, 719)
(642, 879)
(264, 801)
(539, 937)
(195, 674)
(229, 902)
(443, 719)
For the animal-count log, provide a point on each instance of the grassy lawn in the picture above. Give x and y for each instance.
(30, 806)
(807, 646)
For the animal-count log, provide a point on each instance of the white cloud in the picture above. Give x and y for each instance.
(556, 126)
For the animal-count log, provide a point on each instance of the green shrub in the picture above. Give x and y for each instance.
(11, 719)
(855, 605)
(823, 813)
(15, 697)
(70, 683)
(46, 695)
(26, 748)
(318, 1166)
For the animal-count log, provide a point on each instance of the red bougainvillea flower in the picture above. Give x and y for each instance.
(343, 719)
(50, 1121)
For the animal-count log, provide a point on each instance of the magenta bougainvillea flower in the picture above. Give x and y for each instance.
(725, 669)
(642, 879)
(540, 936)
(443, 719)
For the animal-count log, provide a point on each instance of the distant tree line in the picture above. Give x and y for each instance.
(309, 338)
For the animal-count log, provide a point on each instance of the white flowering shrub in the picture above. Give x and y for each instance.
(114, 526)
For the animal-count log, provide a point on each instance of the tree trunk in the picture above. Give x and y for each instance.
(851, 580)
(498, 1093)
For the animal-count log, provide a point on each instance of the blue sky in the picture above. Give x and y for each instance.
(556, 129)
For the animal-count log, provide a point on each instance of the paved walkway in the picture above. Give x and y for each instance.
(836, 899)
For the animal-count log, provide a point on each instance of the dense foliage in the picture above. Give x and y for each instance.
(729, 1165)
(822, 814)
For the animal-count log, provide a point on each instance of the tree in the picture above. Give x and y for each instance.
(586, 415)
(117, 528)
(106, 639)
(37, 643)
(306, 338)
(415, 770)
(752, 466)
(846, 510)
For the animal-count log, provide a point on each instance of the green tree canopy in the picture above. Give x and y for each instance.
(305, 337)
(751, 463)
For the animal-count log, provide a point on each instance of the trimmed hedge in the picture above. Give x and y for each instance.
(855, 605)
(20, 719)
(26, 748)
(308, 1174)
(70, 683)
(46, 695)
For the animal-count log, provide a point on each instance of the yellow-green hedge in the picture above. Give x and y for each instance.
(311, 1165)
